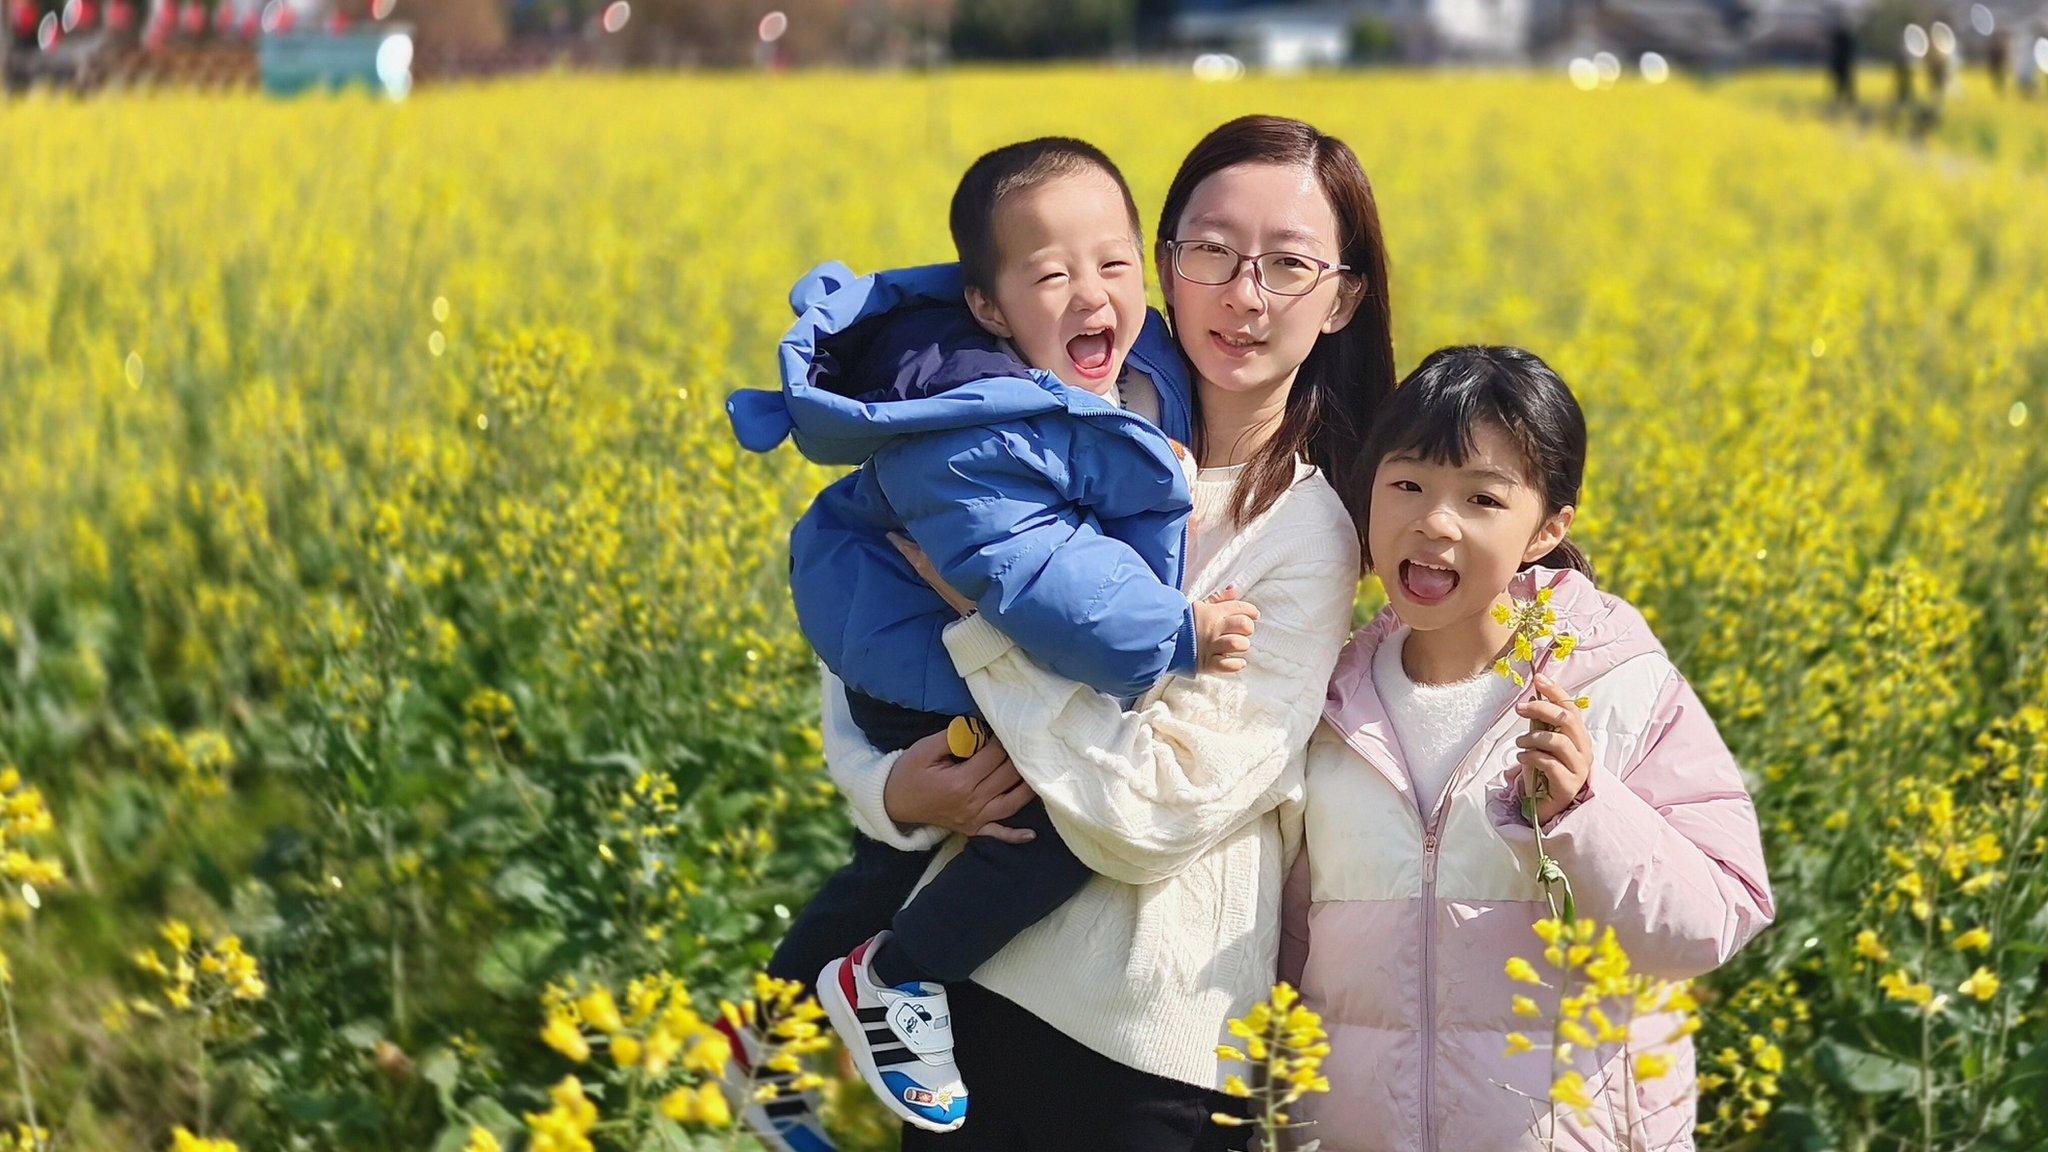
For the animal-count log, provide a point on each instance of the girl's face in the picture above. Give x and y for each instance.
(1239, 337)
(1446, 539)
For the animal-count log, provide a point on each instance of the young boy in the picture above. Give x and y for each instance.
(1007, 417)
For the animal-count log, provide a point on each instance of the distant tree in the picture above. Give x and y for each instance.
(819, 31)
(1004, 29)
(464, 24)
(1373, 40)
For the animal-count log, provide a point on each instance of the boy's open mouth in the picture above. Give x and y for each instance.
(1092, 352)
(1427, 584)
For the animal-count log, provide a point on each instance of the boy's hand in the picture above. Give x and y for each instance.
(1557, 754)
(1223, 631)
(923, 564)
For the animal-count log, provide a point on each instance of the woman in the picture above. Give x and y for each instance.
(1097, 1027)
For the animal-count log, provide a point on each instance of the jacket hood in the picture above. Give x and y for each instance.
(872, 358)
(1610, 632)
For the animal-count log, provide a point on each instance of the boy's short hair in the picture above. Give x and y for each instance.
(1016, 168)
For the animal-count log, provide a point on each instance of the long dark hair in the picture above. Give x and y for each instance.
(1436, 409)
(1331, 406)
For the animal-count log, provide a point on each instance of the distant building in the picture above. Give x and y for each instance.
(1290, 36)
(1279, 37)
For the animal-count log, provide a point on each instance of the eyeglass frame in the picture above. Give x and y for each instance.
(1323, 267)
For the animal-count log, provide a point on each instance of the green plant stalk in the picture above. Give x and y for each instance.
(28, 1097)
(1547, 869)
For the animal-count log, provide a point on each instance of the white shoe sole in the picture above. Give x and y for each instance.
(855, 1039)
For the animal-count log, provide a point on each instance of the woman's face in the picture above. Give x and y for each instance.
(1240, 337)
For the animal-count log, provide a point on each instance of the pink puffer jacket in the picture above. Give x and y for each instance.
(1401, 912)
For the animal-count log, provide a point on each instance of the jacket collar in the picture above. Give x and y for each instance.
(1610, 631)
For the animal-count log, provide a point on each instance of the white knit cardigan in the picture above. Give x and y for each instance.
(1173, 803)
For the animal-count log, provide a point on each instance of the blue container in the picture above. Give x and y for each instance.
(379, 58)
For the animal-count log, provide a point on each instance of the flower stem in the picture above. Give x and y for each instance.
(28, 1097)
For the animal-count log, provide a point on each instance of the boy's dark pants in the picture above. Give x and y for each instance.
(979, 902)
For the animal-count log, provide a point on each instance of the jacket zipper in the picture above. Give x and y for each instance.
(1432, 827)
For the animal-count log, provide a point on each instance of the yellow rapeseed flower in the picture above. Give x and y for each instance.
(1982, 984)
(1974, 940)
(184, 1141)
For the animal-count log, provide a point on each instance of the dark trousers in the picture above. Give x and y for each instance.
(981, 900)
(1033, 1089)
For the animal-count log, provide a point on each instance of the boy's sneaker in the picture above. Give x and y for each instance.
(788, 1123)
(901, 1039)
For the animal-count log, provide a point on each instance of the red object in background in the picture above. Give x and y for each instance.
(192, 19)
(121, 15)
(88, 14)
(23, 17)
(252, 23)
(337, 23)
(224, 19)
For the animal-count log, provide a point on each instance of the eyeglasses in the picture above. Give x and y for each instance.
(1281, 273)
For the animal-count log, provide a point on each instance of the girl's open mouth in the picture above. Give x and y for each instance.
(1427, 585)
(1093, 353)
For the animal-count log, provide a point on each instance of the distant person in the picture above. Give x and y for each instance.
(1842, 58)
(1906, 55)
(1941, 65)
(1998, 59)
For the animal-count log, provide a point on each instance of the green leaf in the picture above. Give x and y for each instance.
(482, 1112)
(440, 1068)
(1865, 1072)
(363, 1034)
(523, 883)
(516, 960)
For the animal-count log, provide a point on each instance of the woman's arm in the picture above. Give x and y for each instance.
(862, 772)
(1138, 795)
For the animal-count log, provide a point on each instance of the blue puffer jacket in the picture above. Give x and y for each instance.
(1063, 516)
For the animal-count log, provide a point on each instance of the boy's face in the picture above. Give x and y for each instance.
(1069, 286)
(1446, 539)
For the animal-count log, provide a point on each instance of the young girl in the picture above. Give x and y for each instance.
(1416, 880)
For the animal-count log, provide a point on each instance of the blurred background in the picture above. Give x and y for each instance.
(88, 43)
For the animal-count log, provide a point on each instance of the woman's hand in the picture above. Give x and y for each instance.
(971, 796)
(923, 564)
(1556, 751)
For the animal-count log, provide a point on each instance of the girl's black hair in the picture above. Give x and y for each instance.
(1434, 412)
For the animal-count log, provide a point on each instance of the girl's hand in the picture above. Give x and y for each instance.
(1556, 750)
(923, 564)
(971, 796)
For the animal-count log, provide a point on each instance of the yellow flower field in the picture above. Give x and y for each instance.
(384, 601)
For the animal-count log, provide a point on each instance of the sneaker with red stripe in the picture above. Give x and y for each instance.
(787, 1123)
(900, 1038)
